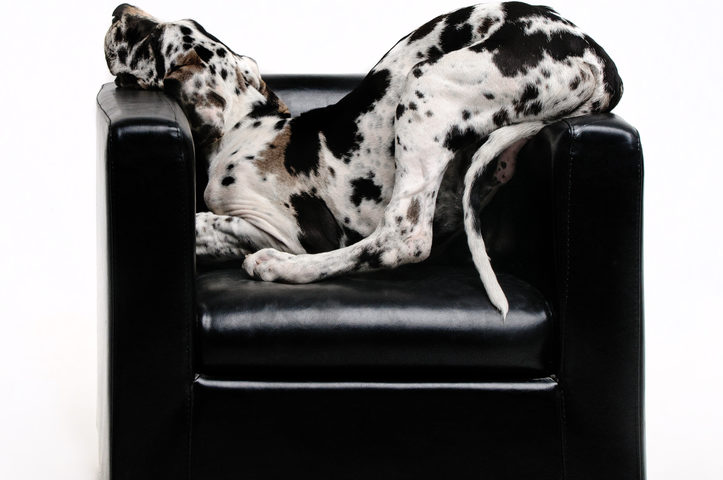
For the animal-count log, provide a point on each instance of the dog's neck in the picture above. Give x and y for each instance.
(254, 113)
(253, 121)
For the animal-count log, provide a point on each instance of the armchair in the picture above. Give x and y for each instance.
(206, 374)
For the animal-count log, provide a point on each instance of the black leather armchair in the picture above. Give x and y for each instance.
(404, 374)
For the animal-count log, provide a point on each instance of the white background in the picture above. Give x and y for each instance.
(668, 54)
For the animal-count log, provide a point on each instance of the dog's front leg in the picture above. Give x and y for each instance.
(228, 237)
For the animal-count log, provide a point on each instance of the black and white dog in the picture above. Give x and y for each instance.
(361, 184)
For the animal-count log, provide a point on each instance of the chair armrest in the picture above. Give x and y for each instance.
(597, 177)
(146, 215)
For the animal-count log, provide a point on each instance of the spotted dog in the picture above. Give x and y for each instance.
(364, 184)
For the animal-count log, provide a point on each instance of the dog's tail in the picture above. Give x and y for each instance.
(505, 142)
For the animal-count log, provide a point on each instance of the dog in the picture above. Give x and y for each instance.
(365, 183)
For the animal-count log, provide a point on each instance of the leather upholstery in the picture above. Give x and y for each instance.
(566, 229)
(408, 322)
(380, 431)
(598, 178)
(146, 175)
(305, 92)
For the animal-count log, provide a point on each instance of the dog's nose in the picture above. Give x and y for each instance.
(127, 9)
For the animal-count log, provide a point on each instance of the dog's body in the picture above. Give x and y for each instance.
(361, 184)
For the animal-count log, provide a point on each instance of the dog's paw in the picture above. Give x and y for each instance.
(269, 265)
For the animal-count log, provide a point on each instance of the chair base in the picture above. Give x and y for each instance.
(350, 431)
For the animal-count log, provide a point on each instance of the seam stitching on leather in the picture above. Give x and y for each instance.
(566, 287)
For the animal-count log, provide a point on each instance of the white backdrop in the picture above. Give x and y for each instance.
(52, 66)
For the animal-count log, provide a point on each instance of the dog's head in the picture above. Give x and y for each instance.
(201, 72)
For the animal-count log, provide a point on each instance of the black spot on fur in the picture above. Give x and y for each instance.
(516, 52)
(456, 34)
(417, 72)
(425, 29)
(533, 108)
(501, 117)
(188, 39)
(529, 94)
(457, 139)
(336, 122)
(466, 114)
(460, 16)
(203, 52)
(221, 52)
(400, 110)
(412, 106)
(256, 124)
(371, 258)
(227, 181)
(319, 230)
(434, 54)
(185, 30)
(224, 73)
(514, 11)
(575, 83)
(489, 96)
(280, 124)
(138, 28)
(122, 55)
(365, 189)
(419, 94)
(126, 80)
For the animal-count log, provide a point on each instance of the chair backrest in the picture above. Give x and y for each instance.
(305, 92)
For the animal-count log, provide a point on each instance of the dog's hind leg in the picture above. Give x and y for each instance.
(478, 188)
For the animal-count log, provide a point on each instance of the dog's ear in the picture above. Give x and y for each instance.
(203, 101)
(248, 70)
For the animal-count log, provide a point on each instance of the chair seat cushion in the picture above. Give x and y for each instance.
(414, 321)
